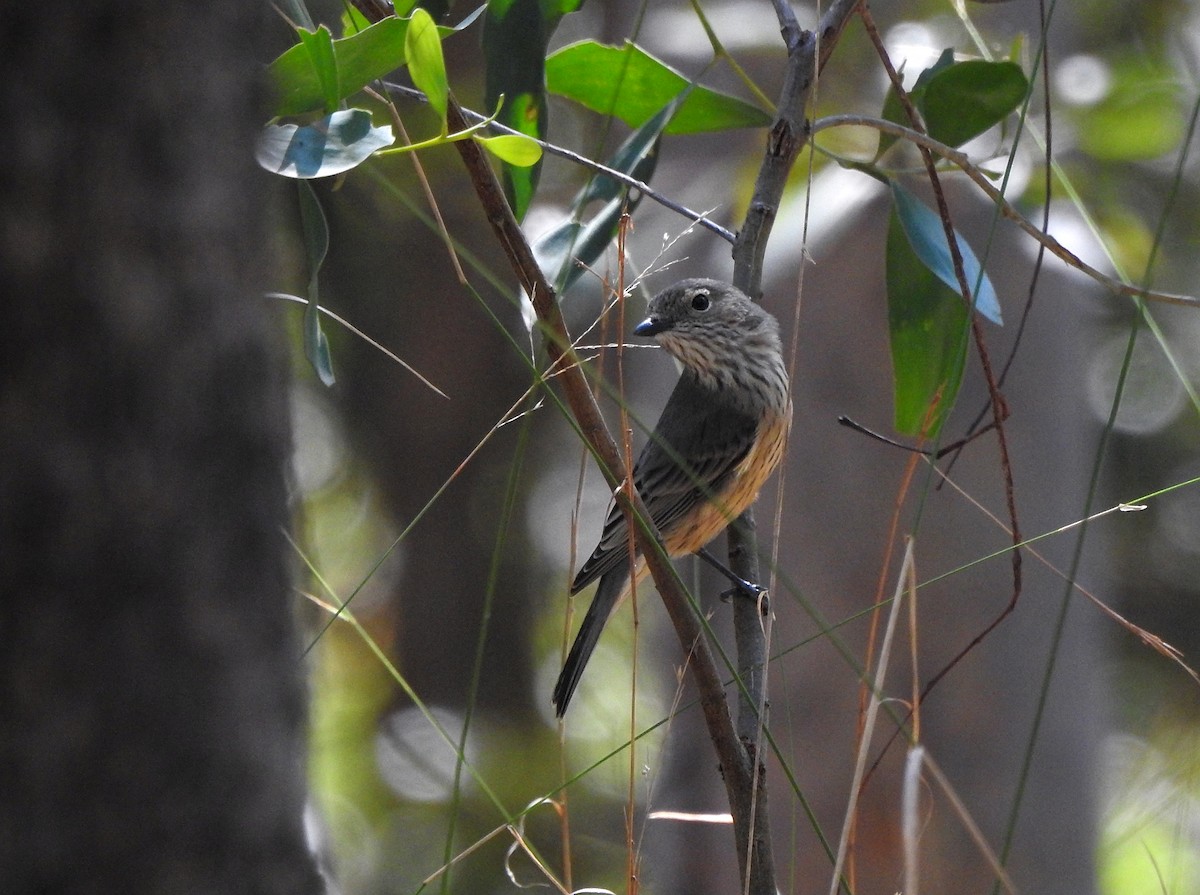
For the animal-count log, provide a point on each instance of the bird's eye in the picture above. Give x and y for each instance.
(700, 301)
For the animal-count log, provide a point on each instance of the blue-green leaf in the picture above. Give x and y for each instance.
(927, 236)
(564, 250)
(316, 245)
(927, 324)
(637, 157)
(334, 144)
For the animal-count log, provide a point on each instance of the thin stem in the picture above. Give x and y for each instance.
(963, 162)
(585, 162)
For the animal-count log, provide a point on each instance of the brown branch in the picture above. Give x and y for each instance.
(591, 424)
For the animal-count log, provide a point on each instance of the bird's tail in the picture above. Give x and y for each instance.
(608, 596)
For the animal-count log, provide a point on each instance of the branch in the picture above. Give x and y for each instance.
(591, 424)
(585, 162)
(963, 162)
(807, 53)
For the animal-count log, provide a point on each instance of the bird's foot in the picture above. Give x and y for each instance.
(747, 590)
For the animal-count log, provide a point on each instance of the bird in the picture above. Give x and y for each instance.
(721, 434)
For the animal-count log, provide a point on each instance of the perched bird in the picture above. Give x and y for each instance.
(719, 438)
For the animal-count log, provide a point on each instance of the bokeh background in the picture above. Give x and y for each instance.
(450, 519)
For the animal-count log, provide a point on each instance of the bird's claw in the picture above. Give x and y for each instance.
(746, 589)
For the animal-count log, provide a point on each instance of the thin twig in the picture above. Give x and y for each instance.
(584, 162)
(999, 407)
(962, 161)
(285, 296)
(807, 53)
(426, 187)
(591, 425)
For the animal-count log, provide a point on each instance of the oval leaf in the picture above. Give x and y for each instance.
(513, 149)
(632, 85)
(927, 323)
(893, 109)
(334, 144)
(927, 237)
(423, 46)
(965, 99)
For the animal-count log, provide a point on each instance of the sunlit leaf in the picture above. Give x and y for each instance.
(426, 65)
(632, 85)
(334, 144)
(927, 324)
(927, 235)
(353, 21)
(319, 47)
(362, 56)
(515, 150)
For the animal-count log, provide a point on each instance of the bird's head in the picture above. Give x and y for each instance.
(709, 326)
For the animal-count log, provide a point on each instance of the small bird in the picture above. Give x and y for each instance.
(720, 436)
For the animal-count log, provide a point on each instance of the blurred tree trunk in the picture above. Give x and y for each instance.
(151, 736)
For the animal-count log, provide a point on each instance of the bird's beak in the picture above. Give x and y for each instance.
(651, 326)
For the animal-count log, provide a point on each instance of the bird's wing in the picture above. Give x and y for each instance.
(698, 443)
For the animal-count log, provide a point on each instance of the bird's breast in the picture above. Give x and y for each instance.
(714, 516)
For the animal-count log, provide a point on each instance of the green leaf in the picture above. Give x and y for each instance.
(927, 236)
(927, 324)
(893, 109)
(361, 58)
(574, 241)
(959, 100)
(965, 99)
(316, 245)
(334, 144)
(319, 47)
(426, 65)
(632, 85)
(515, 150)
(515, 36)
(353, 21)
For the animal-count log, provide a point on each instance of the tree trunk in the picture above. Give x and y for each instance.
(150, 682)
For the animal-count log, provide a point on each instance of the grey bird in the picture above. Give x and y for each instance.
(720, 436)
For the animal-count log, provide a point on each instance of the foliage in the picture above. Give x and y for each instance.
(967, 109)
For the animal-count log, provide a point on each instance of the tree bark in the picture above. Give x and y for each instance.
(150, 683)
